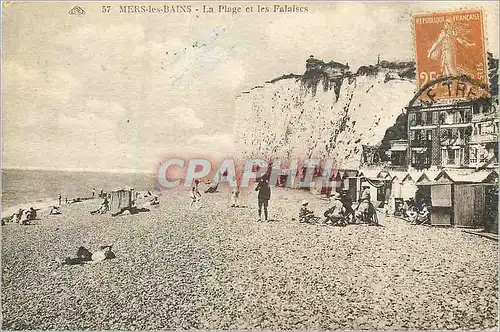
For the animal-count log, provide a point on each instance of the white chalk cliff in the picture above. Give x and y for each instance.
(326, 112)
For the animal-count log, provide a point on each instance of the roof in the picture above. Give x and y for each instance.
(411, 176)
(467, 176)
(384, 174)
(427, 177)
(398, 175)
(124, 188)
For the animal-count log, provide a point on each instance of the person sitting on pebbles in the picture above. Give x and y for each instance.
(335, 214)
(26, 217)
(412, 214)
(55, 210)
(305, 215)
(84, 256)
(154, 201)
(103, 208)
(33, 213)
(422, 216)
(8, 219)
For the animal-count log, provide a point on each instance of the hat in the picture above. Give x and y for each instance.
(305, 202)
(336, 195)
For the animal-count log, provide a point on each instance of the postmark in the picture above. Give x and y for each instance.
(450, 88)
(449, 44)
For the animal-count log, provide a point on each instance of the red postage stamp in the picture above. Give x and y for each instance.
(450, 44)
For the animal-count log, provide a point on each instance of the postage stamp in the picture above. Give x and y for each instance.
(449, 44)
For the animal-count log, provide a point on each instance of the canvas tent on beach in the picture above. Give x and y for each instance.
(121, 198)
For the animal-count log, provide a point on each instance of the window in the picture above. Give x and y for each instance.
(451, 157)
(429, 135)
(412, 119)
(473, 155)
(475, 109)
(418, 118)
(458, 117)
(429, 118)
(479, 129)
(468, 116)
(435, 116)
(442, 118)
(418, 135)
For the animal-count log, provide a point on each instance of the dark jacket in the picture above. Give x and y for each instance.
(264, 190)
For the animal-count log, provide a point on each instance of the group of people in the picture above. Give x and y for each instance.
(132, 207)
(23, 216)
(340, 211)
(415, 214)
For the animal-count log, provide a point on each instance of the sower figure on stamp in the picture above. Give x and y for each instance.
(263, 196)
(445, 45)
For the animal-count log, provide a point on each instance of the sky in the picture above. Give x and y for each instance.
(111, 91)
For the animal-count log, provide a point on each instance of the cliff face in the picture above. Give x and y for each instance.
(326, 112)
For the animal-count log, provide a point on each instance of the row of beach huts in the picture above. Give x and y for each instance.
(457, 197)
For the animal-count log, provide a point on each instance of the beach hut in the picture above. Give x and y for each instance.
(423, 183)
(380, 188)
(121, 198)
(463, 198)
(408, 185)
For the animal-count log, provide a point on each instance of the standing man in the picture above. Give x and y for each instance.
(235, 197)
(59, 198)
(263, 196)
(93, 192)
(197, 187)
(347, 202)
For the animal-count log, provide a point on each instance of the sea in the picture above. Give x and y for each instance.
(38, 188)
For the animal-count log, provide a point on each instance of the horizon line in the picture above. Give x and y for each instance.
(108, 170)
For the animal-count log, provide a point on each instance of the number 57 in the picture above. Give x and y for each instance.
(106, 9)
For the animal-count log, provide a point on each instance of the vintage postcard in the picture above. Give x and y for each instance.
(313, 165)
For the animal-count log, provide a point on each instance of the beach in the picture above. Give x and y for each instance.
(218, 268)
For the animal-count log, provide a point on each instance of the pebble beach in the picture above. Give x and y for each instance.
(218, 268)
